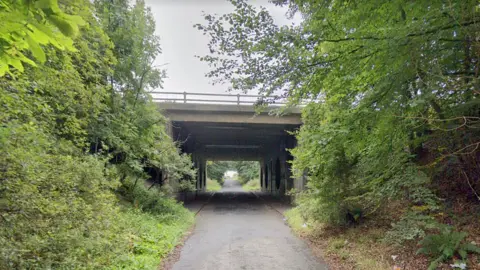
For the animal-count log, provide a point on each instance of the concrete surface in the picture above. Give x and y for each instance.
(237, 230)
(198, 107)
(221, 113)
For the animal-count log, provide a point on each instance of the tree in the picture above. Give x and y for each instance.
(385, 82)
(247, 170)
(27, 25)
(216, 170)
(46, 176)
(132, 128)
(73, 143)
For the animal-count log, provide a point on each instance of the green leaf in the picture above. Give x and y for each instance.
(3, 67)
(48, 5)
(16, 63)
(37, 51)
(472, 248)
(66, 27)
(75, 19)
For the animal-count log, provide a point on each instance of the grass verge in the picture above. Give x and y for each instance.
(213, 185)
(151, 236)
(364, 246)
(252, 185)
(354, 248)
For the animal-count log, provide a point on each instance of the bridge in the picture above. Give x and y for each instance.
(227, 127)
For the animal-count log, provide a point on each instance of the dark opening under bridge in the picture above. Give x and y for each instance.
(226, 127)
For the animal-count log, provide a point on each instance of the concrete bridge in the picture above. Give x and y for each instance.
(226, 127)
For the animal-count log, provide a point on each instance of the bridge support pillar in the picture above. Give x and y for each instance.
(276, 172)
(200, 163)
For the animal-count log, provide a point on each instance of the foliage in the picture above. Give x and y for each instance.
(357, 247)
(213, 185)
(57, 209)
(149, 200)
(442, 247)
(390, 86)
(153, 225)
(411, 226)
(247, 170)
(216, 170)
(131, 129)
(27, 25)
(150, 237)
(252, 185)
(74, 133)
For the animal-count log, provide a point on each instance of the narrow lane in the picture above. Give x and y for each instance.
(236, 230)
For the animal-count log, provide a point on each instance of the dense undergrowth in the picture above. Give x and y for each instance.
(80, 136)
(392, 113)
(153, 226)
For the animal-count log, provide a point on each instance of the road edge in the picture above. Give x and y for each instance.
(171, 258)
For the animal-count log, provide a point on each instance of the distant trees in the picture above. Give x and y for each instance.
(216, 170)
(246, 170)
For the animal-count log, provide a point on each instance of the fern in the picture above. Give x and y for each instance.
(442, 247)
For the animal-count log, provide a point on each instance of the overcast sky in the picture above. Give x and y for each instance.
(181, 42)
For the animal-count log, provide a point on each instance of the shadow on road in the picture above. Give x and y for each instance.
(233, 197)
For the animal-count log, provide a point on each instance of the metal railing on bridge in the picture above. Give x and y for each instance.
(213, 98)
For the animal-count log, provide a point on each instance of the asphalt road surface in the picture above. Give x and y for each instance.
(237, 230)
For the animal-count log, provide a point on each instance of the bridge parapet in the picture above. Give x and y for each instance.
(214, 98)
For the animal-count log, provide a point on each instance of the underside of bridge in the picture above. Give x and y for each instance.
(231, 132)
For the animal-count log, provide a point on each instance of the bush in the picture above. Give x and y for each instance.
(410, 227)
(247, 170)
(150, 236)
(57, 210)
(155, 200)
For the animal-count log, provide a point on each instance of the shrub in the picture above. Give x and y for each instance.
(411, 226)
(150, 236)
(57, 209)
(155, 200)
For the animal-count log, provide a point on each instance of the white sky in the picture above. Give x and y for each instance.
(180, 41)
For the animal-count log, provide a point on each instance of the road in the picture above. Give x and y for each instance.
(237, 230)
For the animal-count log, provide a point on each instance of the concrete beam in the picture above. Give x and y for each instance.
(247, 118)
(168, 106)
(221, 113)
